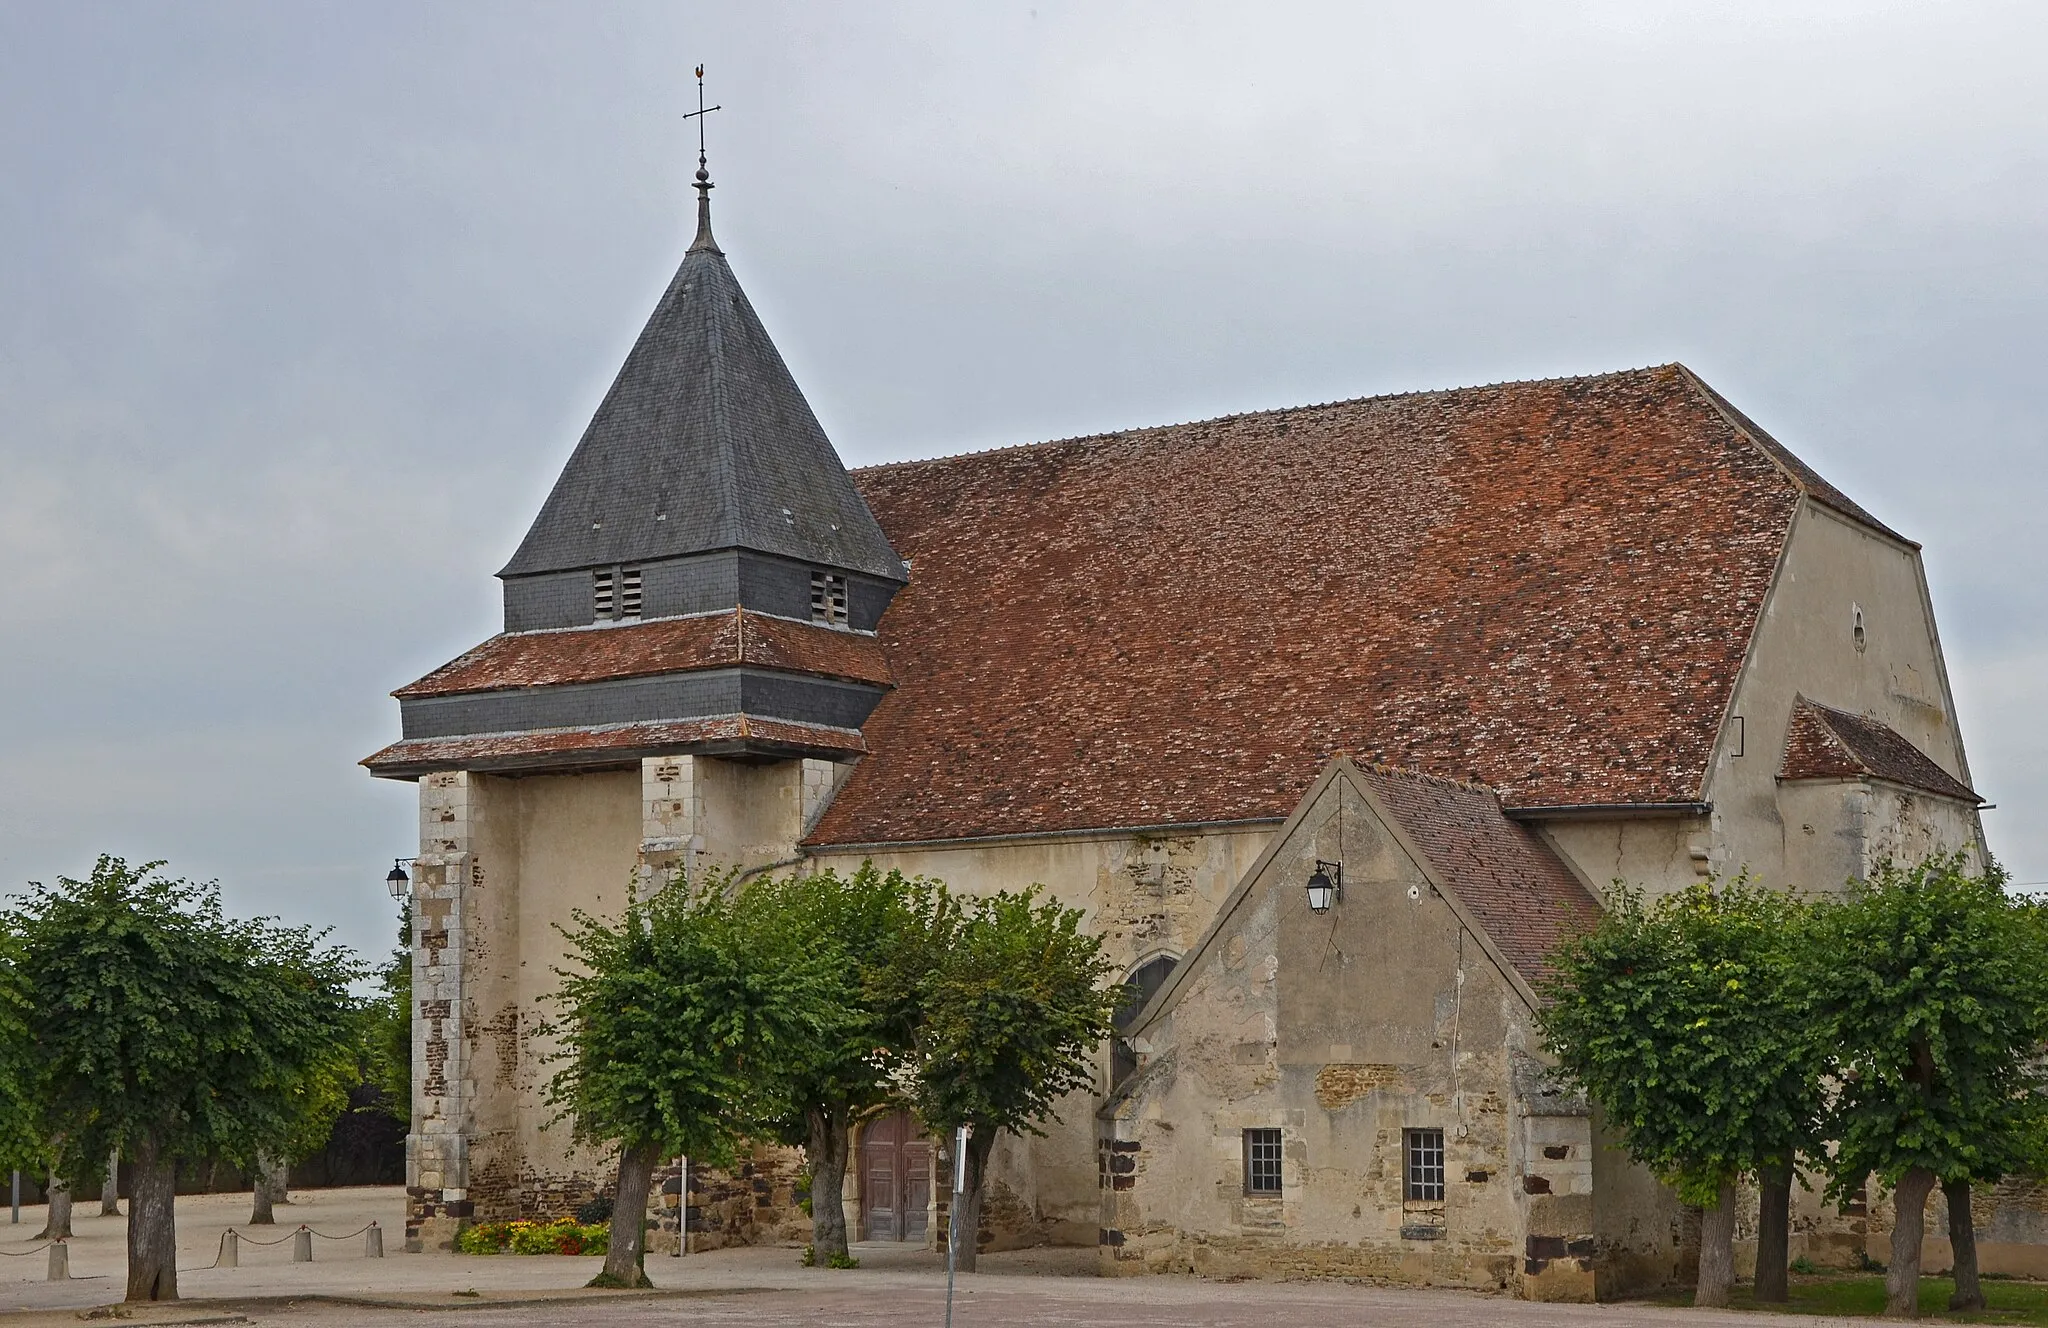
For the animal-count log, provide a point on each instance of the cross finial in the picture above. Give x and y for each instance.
(703, 185)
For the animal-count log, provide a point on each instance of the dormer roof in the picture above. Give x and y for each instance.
(1825, 743)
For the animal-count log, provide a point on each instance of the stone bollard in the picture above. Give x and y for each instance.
(373, 1242)
(302, 1245)
(60, 1261)
(230, 1249)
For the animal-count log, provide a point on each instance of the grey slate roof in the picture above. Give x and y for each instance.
(704, 442)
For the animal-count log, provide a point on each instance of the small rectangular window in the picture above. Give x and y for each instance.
(828, 599)
(1262, 1161)
(629, 593)
(601, 593)
(1425, 1166)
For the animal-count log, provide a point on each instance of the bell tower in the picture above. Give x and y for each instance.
(687, 659)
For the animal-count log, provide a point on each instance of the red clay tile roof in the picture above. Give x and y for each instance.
(610, 744)
(667, 645)
(1513, 885)
(1549, 585)
(1824, 493)
(1825, 743)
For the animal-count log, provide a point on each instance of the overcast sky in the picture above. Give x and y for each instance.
(302, 307)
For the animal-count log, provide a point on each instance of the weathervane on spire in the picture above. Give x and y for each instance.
(703, 185)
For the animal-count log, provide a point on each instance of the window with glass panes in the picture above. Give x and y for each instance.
(1425, 1169)
(1262, 1161)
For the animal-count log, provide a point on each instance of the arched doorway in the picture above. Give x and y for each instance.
(895, 1179)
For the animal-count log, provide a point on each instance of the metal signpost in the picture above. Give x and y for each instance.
(953, 1215)
(17, 1195)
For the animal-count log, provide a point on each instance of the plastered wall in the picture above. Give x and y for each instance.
(1145, 894)
(1835, 576)
(1343, 1031)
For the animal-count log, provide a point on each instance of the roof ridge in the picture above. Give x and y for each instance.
(1369, 399)
(1470, 784)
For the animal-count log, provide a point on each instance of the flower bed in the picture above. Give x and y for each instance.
(562, 1236)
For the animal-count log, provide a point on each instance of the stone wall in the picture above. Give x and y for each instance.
(757, 1201)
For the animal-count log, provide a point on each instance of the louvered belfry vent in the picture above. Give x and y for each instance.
(828, 599)
(629, 592)
(602, 592)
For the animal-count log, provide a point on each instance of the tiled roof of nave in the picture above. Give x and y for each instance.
(1548, 585)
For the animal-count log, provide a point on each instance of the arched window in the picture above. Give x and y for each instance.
(1141, 986)
(1139, 989)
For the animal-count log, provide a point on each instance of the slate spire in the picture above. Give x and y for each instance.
(704, 443)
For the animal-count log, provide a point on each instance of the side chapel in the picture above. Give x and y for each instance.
(1459, 658)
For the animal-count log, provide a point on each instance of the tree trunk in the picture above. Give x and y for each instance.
(152, 1226)
(1909, 1224)
(980, 1142)
(1773, 1230)
(110, 1188)
(260, 1214)
(626, 1257)
(1717, 1251)
(1962, 1237)
(58, 1223)
(279, 1169)
(827, 1153)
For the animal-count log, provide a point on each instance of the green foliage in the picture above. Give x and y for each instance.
(1688, 1020)
(562, 1236)
(1016, 999)
(159, 1018)
(670, 1016)
(388, 1036)
(1934, 984)
(873, 931)
(21, 1132)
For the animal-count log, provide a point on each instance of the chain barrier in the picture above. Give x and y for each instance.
(222, 1253)
(23, 1254)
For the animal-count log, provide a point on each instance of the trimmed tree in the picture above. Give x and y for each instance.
(171, 1032)
(1687, 1020)
(21, 1135)
(1015, 1006)
(1936, 998)
(885, 929)
(665, 1016)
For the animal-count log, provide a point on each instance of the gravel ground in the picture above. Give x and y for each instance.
(893, 1286)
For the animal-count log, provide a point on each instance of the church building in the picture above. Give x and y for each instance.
(1334, 719)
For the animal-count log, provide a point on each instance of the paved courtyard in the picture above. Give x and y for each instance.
(893, 1286)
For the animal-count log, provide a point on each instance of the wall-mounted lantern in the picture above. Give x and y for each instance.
(397, 882)
(1325, 886)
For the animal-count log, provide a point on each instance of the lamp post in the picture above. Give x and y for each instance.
(1325, 886)
(396, 881)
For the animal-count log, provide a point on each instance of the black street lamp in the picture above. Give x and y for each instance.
(1325, 886)
(397, 882)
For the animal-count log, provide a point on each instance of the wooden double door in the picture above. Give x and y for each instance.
(895, 1179)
